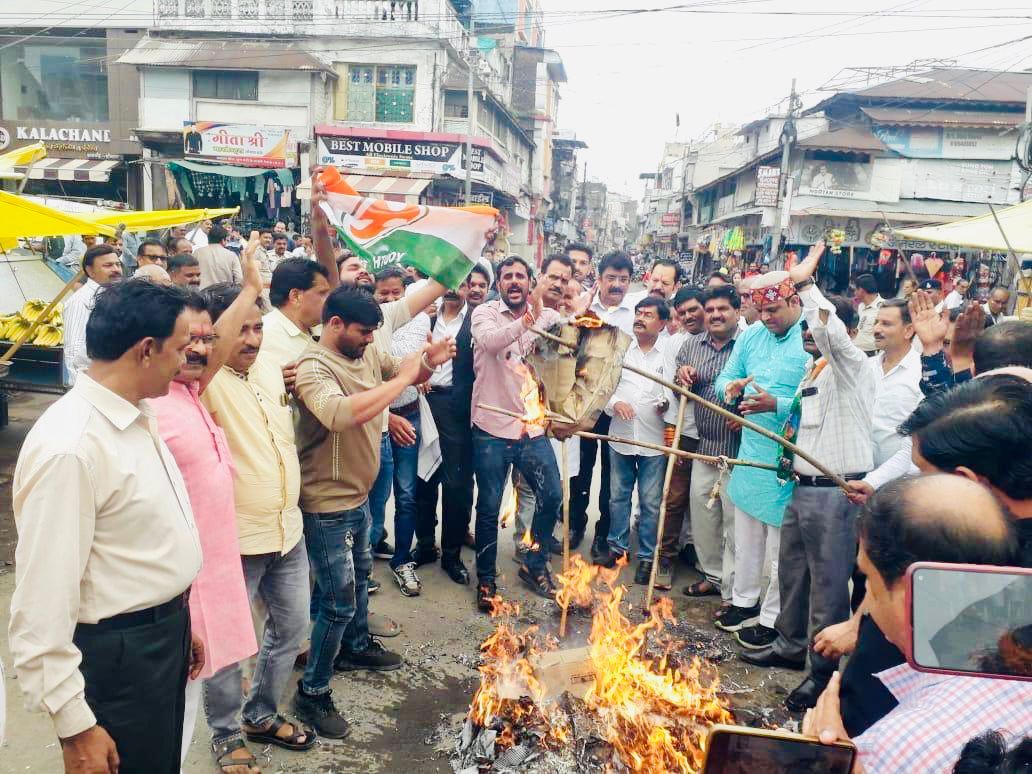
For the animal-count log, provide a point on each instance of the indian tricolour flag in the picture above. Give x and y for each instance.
(442, 242)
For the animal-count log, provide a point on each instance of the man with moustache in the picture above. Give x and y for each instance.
(102, 265)
(248, 400)
(107, 549)
(687, 304)
(344, 385)
(664, 280)
(612, 306)
(502, 337)
(220, 611)
(450, 397)
(185, 271)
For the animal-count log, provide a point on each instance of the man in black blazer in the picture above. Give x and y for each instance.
(450, 397)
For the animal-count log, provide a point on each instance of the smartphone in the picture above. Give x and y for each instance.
(741, 750)
(971, 620)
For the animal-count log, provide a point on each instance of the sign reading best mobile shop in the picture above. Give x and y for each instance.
(406, 152)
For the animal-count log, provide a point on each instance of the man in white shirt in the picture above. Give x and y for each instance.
(818, 535)
(102, 265)
(957, 296)
(107, 547)
(199, 236)
(637, 409)
(305, 249)
(867, 311)
(218, 264)
(897, 370)
(612, 306)
(75, 248)
(996, 306)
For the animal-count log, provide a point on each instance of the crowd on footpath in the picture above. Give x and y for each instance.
(238, 421)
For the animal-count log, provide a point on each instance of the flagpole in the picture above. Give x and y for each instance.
(470, 112)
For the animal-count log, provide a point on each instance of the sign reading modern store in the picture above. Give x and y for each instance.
(379, 154)
(244, 144)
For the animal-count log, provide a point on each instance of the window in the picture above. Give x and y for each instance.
(47, 81)
(216, 84)
(384, 93)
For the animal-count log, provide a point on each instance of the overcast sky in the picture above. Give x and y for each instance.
(630, 75)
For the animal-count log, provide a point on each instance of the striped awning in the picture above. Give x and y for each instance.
(405, 189)
(78, 170)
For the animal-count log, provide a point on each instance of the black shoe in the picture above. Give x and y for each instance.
(665, 575)
(375, 658)
(576, 537)
(643, 573)
(425, 554)
(541, 583)
(599, 548)
(733, 618)
(321, 714)
(456, 569)
(805, 695)
(487, 591)
(383, 550)
(555, 546)
(769, 658)
(372, 586)
(756, 637)
(609, 558)
(688, 556)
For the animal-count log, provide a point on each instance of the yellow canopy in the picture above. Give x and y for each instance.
(20, 157)
(982, 231)
(144, 221)
(20, 217)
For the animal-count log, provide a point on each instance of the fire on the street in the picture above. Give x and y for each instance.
(534, 410)
(587, 321)
(640, 713)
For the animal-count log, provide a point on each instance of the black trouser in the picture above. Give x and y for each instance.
(455, 477)
(135, 682)
(580, 485)
(864, 698)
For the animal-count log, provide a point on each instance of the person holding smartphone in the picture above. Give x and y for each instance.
(934, 518)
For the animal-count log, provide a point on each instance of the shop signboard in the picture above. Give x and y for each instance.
(940, 142)
(670, 219)
(246, 145)
(74, 139)
(877, 182)
(768, 186)
(379, 154)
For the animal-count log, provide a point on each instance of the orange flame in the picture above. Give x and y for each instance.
(534, 410)
(509, 509)
(587, 321)
(655, 717)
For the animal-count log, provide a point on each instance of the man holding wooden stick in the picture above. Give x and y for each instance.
(761, 378)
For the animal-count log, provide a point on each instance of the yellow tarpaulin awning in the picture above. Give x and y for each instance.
(20, 217)
(20, 157)
(982, 232)
(144, 221)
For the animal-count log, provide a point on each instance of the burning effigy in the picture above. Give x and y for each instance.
(607, 706)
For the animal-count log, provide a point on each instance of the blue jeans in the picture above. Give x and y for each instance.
(406, 478)
(535, 460)
(625, 471)
(339, 553)
(282, 584)
(381, 491)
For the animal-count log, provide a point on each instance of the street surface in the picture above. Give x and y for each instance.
(397, 717)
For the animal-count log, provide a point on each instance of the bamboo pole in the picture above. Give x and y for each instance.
(671, 462)
(1011, 254)
(644, 444)
(679, 390)
(5, 359)
(566, 533)
(677, 452)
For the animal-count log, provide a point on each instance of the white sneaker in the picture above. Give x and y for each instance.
(407, 579)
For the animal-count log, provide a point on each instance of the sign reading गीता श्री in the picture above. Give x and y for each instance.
(244, 144)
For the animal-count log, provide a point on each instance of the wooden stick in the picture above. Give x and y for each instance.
(677, 452)
(566, 532)
(644, 444)
(28, 332)
(1010, 249)
(671, 462)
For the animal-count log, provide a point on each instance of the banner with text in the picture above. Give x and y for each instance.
(244, 144)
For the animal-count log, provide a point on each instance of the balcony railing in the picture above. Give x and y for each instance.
(330, 18)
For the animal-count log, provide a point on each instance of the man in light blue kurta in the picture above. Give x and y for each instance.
(767, 365)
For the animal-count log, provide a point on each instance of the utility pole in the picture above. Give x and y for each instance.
(471, 110)
(788, 137)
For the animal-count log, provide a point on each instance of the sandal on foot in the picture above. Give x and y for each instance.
(702, 588)
(224, 756)
(269, 734)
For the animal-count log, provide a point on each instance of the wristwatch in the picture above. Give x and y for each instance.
(804, 284)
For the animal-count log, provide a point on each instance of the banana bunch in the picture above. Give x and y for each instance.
(48, 335)
(33, 309)
(13, 326)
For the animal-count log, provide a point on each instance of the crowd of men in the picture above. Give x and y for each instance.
(214, 461)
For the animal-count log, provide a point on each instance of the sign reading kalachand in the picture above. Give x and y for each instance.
(243, 144)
